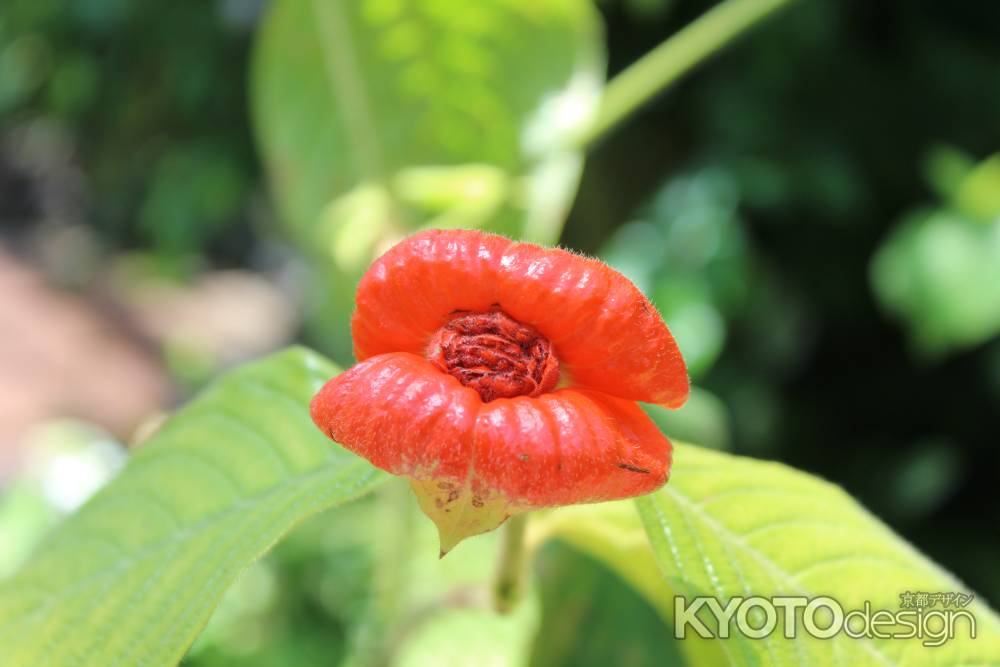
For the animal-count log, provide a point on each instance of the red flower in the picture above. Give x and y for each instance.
(502, 377)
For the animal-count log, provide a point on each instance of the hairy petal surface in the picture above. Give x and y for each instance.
(570, 446)
(402, 414)
(471, 464)
(606, 334)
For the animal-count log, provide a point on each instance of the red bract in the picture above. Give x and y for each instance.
(502, 377)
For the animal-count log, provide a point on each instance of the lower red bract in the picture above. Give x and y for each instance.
(474, 463)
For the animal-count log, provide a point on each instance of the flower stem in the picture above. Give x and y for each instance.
(663, 66)
(510, 574)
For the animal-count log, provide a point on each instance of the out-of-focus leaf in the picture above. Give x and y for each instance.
(649, 9)
(613, 534)
(590, 618)
(195, 192)
(945, 168)
(694, 319)
(24, 64)
(726, 526)
(978, 196)
(423, 606)
(64, 462)
(704, 418)
(471, 637)
(940, 273)
(925, 477)
(351, 226)
(134, 575)
(295, 607)
(972, 189)
(464, 196)
(689, 253)
(350, 92)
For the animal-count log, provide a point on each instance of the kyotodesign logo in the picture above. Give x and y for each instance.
(824, 617)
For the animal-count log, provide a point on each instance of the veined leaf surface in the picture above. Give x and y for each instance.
(727, 526)
(132, 578)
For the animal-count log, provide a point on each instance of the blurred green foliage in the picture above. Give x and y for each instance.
(153, 98)
(353, 94)
(592, 619)
(66, 462)
(688, 252)
(939, 270)
(301, 604)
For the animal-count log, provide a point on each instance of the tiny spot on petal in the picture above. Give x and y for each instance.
(632, 468)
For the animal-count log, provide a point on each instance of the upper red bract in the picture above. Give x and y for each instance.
(462, 337)
(606, 334)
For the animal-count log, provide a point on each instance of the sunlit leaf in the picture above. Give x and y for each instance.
(349, 92)
(727, 526)
(133, 577)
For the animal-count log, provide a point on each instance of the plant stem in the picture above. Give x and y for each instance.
(510, 573)
(667, 63)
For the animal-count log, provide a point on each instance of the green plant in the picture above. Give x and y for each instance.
(358, 157)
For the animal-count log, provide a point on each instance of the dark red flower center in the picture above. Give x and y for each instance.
(496, 355)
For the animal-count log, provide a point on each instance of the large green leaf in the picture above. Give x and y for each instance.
(727, 526)
(133, 577)
(350, 94)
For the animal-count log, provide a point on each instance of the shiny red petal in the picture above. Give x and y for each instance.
(402, 414)
(606, 334)
(569, 446)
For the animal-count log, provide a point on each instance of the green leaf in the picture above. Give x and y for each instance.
(470, 636)
(728, 526)
(704, 418)
(940, 272)
(133, 577)
(352, 92)
(978, 196)
(613, 534)
(434, 611)
(590, 619)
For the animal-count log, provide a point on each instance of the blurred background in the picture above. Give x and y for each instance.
(816, 212)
